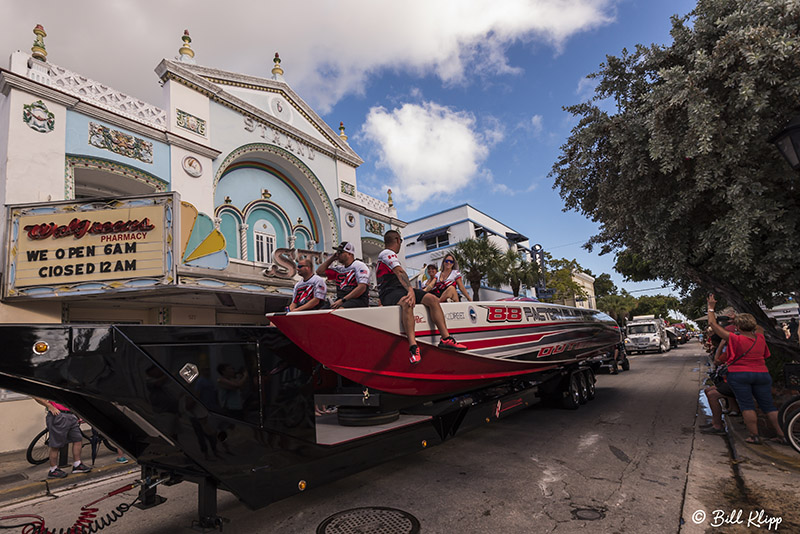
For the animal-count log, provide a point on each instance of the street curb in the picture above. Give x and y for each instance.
(47, 488)
(764, 451)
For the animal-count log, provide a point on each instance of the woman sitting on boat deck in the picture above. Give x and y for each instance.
(447, 280)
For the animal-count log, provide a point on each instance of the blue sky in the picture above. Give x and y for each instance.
(447, 101)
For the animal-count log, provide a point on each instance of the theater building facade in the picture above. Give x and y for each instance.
(119, 211)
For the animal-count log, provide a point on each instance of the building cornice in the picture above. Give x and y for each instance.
(10, 80)
(207, 81)
(358, 208)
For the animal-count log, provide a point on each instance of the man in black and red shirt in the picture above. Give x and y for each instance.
(351, 276)
(309, 293)
(394, 288)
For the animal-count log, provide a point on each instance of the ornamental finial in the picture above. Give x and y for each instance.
(276, 69)
(341, 132)
(38, 49)
(391, 202)
(186, 52)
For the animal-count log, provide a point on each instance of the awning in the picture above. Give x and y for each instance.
(430, 234)
(515, 237)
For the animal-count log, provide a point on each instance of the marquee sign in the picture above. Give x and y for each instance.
(90, 247)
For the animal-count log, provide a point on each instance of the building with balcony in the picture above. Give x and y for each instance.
(429, 238)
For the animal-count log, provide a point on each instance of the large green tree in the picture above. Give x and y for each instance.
(672, 157)
(478, 259)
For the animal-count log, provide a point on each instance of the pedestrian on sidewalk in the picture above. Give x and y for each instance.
(748, 376)
(62, 428)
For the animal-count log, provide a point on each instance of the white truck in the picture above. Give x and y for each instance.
(646, 333)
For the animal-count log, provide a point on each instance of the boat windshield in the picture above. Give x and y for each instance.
(642, 329)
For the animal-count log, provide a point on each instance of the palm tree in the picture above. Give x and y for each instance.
(515, 271)
(477, 259)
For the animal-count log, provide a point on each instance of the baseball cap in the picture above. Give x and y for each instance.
(344, 246)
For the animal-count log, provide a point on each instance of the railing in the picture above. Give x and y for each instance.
(106, 97)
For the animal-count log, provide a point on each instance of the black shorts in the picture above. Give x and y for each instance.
(355, 303)
(393, 296)
(436, 292)
(725, 390)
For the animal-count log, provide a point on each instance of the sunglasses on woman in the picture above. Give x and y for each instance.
(448, 261)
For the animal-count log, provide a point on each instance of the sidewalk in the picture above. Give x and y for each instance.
(20, 481)
(737, 487)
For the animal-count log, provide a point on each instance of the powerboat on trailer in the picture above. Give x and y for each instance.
(503, 340)
(156, 392)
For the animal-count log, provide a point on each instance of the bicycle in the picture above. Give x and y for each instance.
(789, 414)
(39, 451)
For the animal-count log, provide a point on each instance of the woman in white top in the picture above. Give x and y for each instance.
(447, 281)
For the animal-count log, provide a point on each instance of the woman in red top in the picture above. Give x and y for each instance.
(748, 376)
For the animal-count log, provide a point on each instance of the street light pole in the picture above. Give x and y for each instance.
(788, 142)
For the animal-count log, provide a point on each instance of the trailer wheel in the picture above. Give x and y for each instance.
(358, 416)
(590, 389)
(571, 397)
(583, 387)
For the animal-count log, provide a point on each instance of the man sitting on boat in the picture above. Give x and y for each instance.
(395, 288)
(352, 277)
(310, 292)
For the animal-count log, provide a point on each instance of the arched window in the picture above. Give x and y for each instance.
(264, 239)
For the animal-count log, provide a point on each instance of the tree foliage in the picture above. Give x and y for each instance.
(514, 270)
(604, 286)
(558, 277)
(478, 259)
(617, 306)
(672, 157)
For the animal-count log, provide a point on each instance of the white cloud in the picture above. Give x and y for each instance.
(430, 150)
(329, 49)
(586, 87)
(537, 124)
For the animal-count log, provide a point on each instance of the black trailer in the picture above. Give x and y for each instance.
(242, 408)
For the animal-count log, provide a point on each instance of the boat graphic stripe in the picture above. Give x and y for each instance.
(495, 328)
(440, 376)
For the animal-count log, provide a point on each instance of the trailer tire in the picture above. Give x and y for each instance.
(358, 416)
(590, 389)
(571, 396)
(583, 387)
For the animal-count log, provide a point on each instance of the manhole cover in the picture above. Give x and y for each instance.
(370, 520)
(587, 514)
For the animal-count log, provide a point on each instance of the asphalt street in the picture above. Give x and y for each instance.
(618, 464)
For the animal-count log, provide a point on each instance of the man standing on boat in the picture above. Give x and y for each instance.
(352, 277)
(309, 293)
(395, 288)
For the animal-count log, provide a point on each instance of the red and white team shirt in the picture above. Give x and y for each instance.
(348, 277)
(384, 273)
(441, 285)
(305, 290)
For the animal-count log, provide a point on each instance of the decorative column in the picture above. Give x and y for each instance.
(217, 222)
(292, 240)
(243, 239)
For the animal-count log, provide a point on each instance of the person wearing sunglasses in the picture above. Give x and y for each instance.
(448, 281)
(394, 288)
(310, 292)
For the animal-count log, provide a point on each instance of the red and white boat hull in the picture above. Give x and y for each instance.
(504, 340)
